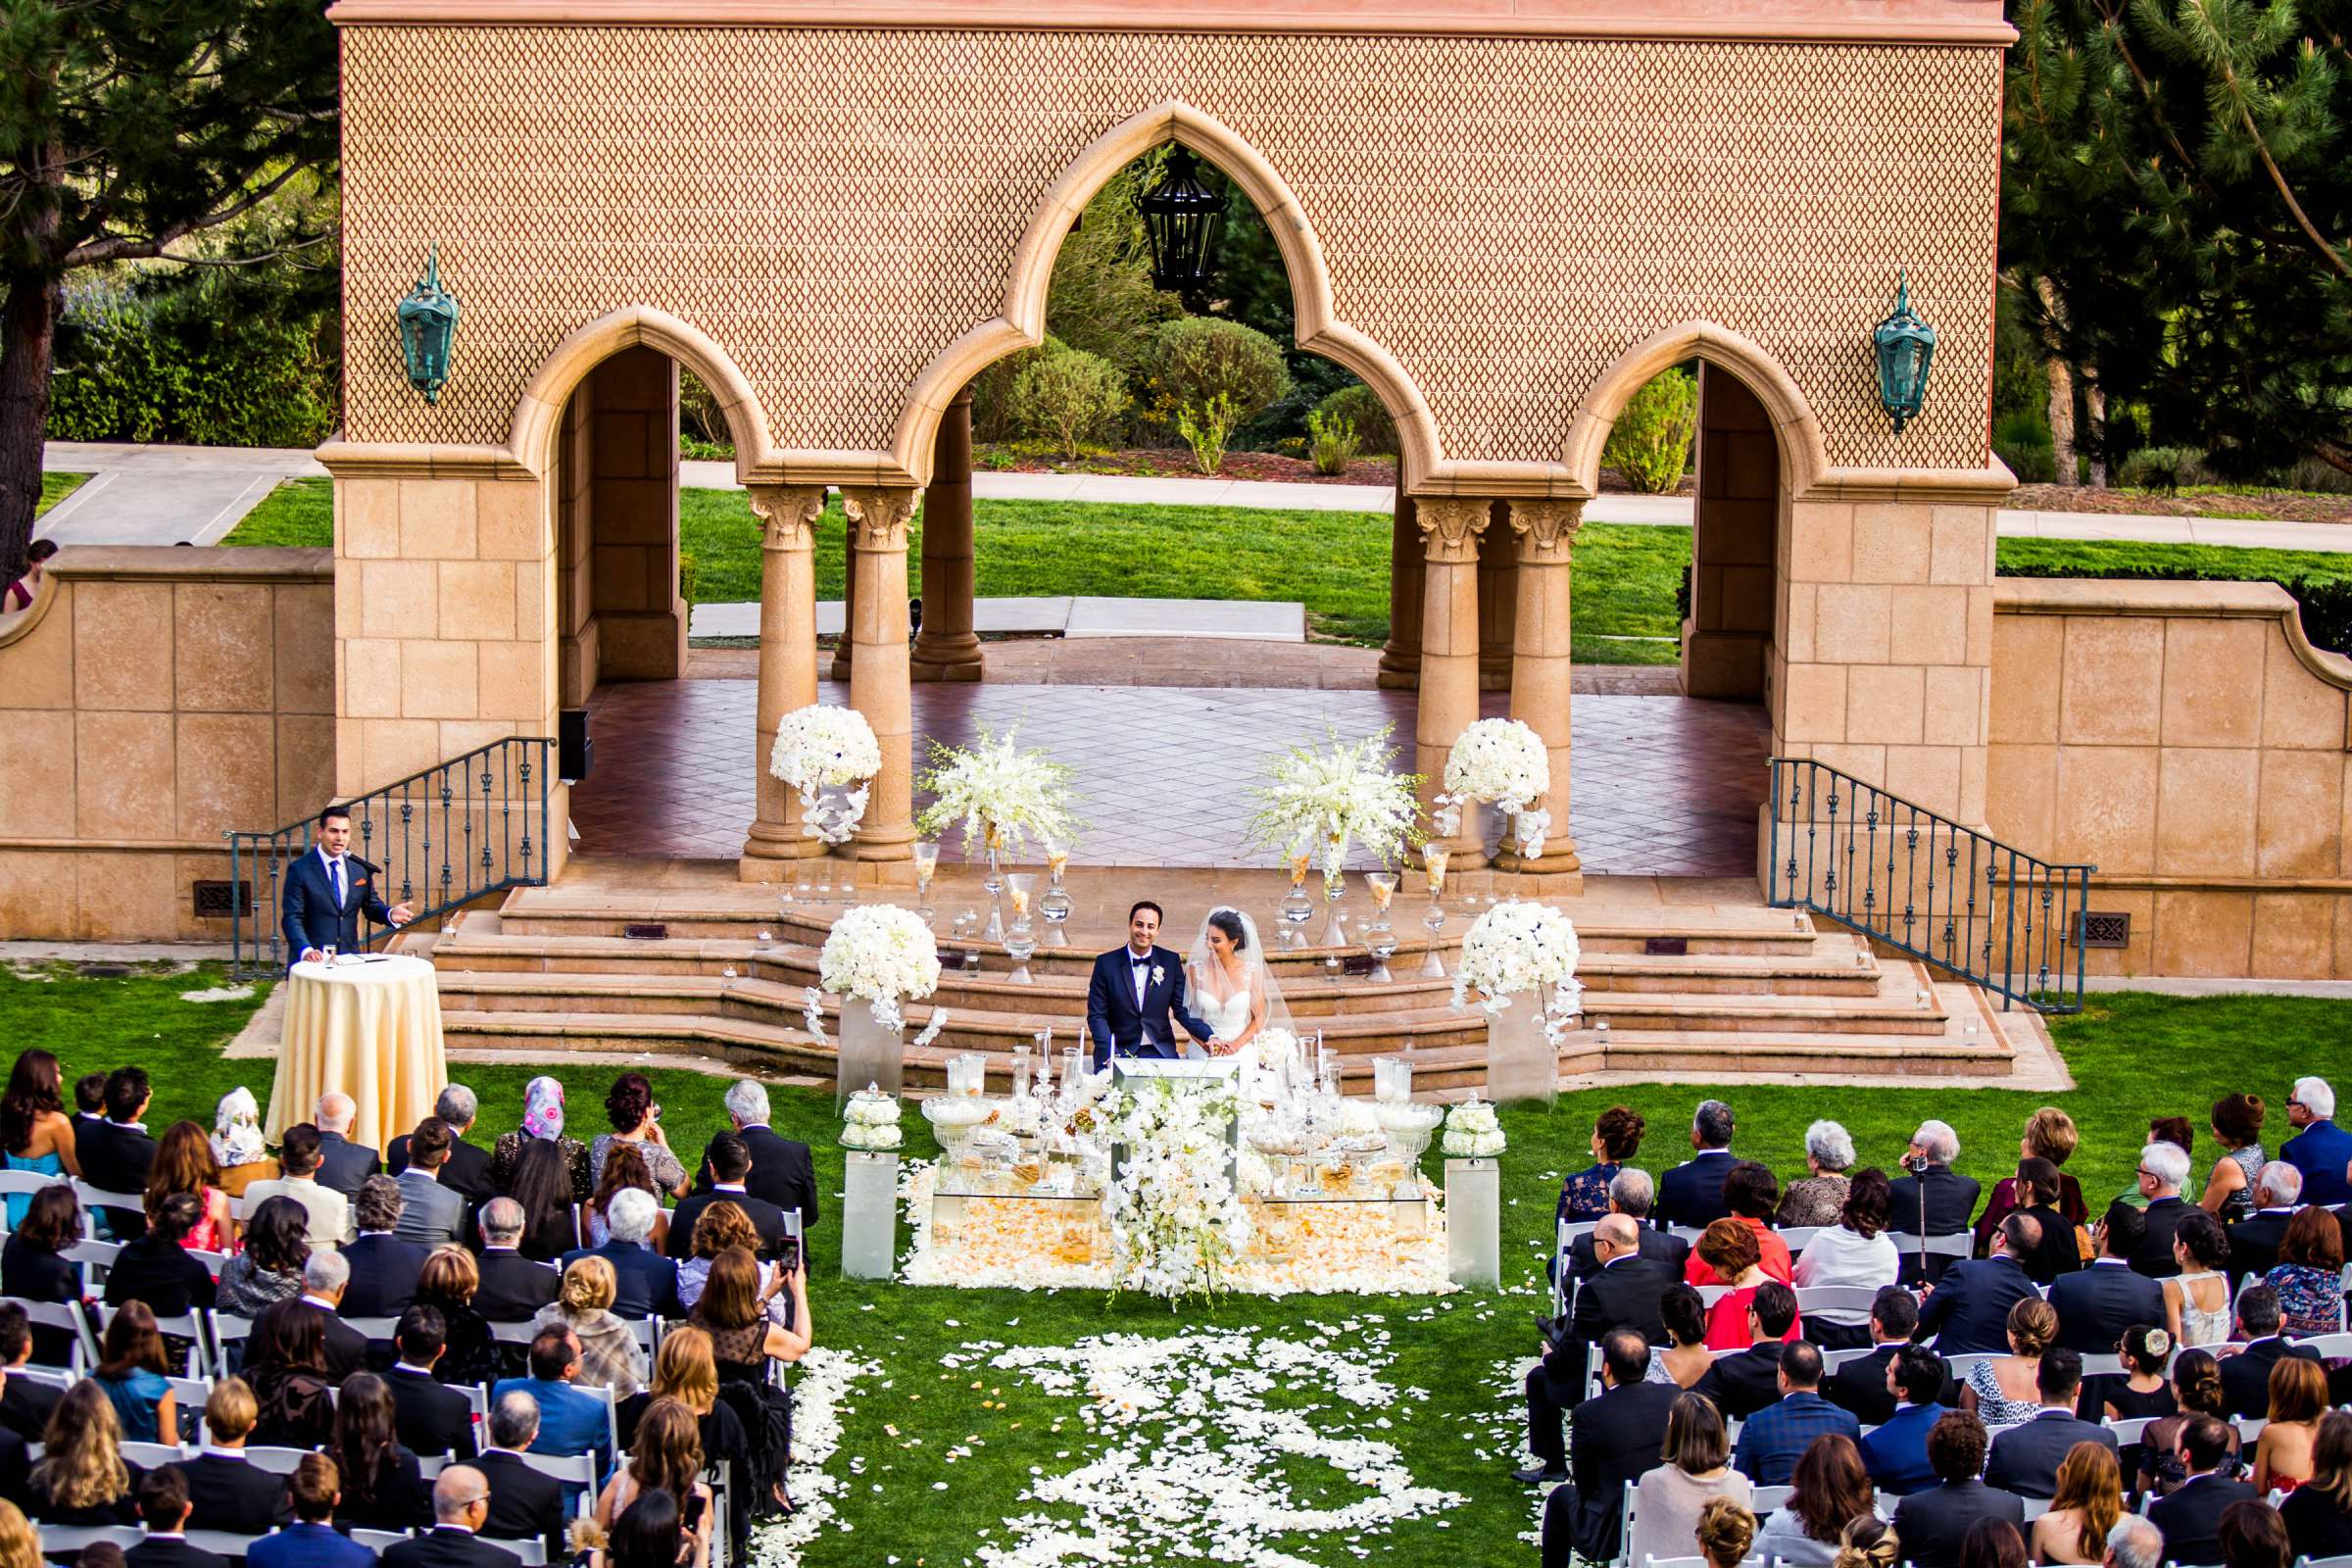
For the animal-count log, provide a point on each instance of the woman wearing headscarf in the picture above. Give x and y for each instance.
(237, 1143)
(541, 1121)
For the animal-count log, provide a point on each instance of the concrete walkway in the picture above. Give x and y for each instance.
(159, 494)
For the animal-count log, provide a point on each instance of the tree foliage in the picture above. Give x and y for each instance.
(1650, 442)
(1070, 396)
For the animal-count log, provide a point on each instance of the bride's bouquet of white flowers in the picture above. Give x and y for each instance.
(1317, 801)
(1472, 1132)
(1178, 1225)
(882, 956)
(1504, 762)
(817, 748)
(1516, 949)
(1002, 795)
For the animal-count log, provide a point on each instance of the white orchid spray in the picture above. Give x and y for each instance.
(1000, 795)
(1178, 1225)
(1318, 801)
(881, 955)
(820, 748)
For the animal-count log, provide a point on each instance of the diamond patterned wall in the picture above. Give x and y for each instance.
(1504, 215)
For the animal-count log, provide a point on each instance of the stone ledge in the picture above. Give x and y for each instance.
(192, 563)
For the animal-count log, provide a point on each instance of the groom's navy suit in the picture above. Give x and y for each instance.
(1113, 1015)
(313, 917)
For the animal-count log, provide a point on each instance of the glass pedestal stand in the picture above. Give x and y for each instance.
(869, 1215)
(1473, 1223)
(1335, 924)
(1057, 904)
(1434, 967)
(1296, 909)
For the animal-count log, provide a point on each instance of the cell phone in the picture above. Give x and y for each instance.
(788, 1258)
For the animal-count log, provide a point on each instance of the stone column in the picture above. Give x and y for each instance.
(1401, 660)
(788, 517)
(1497, 599)
(1541, 665)
(1449, 530)
(879, 673)
(946, 648)
(842, 652)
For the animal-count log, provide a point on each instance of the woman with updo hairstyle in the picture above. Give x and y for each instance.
(2051, 1134)
(1855, 1252)
(2060, 1250)
(1869, 1541)
(1685, 1358)
(2088, 1501)
(446, 1283)
(2003, 1392)
(2145, 1394)
(637, 1123)
(610, 1356)
(1752, 1193)
(2196, 1299)
(2197, 1391)
(1728, 1254)
(2237, 1128)
(1725, 1532)
(1819, 1197)
(1616, 1139)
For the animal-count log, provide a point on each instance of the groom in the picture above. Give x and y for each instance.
(1135, 990)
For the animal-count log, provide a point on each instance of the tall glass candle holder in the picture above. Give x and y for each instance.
(1433, 863)
(926, 867)
(1057, 904)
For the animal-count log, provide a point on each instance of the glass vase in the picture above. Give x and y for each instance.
(869, 1052)
(1335, 924)
(1523, 1065)
(993, 885)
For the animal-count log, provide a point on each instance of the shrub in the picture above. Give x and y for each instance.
(1334, 441)
(1361, 406)
(1650, 442)
(2163, 469)
(993, 403)
(1207, 429)
(2020, 438)
(686, 576)
(1198, 359)
(1070, 397)
(703, 430)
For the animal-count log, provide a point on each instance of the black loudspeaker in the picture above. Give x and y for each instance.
(574, 751)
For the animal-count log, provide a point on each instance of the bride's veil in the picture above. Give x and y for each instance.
(1254, 954)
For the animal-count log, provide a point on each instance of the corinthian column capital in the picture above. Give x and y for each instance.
(1449, 528)
(788, 514)
(878, 516)
(1545, 529)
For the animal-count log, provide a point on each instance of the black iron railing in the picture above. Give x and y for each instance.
(1907, 877)
(472, 825)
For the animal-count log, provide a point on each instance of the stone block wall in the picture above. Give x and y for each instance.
(2187, 740)
(1735, 527)
(632, 475)
(153, 700)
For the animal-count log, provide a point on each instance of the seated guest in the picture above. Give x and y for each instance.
(89, 1102)
(277, 1246)
(285, 1365)
(2320, 1148)
(238, 1148)
(1616, 1139)
(2191, 1515)
(2247, 1376)
(34, 1266)
(610, 1356)
(134, 1375)
(2099, 1302)
(81, 1478)
(1854, 1252)
(383, 1267)
(2282, 1456)
(2196, 1298)
(1625, 1294)
(2087, 1500)
(1695, 1469)
(1933, 1524)
(1895, 1452)
(2143, 1393)
(2026, 1457)
(156, 1268)
(35, 1133)
(2050, 1135)
(623, 1171)
(1724, 1533)
(782, 1170)
(470, 1354)
(227, 1491)
(1743, 1383)
(2134, 1543)
(1752, 1193)
(542, 1122)
(685, 1370)
(1932, 1198)
(1775, 1437)
(2254, 1241)
(2318, 1514)
(430, 1214)
(115, 1154)
(2308, 1276)
(2060, 1252)
(325, 1278)
(542, 1188)
(184, 1163)
(512, 1287)
(637, 1123)
(2196, 1390)
(429, 1416)
(2007, 1389)
(342, 1163)
(2253, 1536)
(745, 1342)
(645, 1284)
(24, 1404)
(2230, 1187)
(1630, 1194)
(468, 1172)
(2163, 1170)
(1993, 1544)
(329, 1211)
(666, 1457)
(1860, 1385)
(382, 1486)
(571, 1420)
(1819, 1197)
(1829, 1490)
(461, 1503)
(1968, 1311)
(1729, 1255)
(1684, 1358)
(164, 1508)
(1691, 1194)
(730, 1165)
(311, 1542)
(525, 1503)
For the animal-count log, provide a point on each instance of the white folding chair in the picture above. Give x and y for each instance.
(1709, 1295)
(1767, 1499)
(1796, 1238)
(381, 1541)
(56, 1377)
(277, 1461)
(58, 1540)
(2128, 1432)
(24, 1184)
(577, 1468)
(530, 1550)
(147, 1455)
(191, 1394)
(2035, 1507)
(212, 1263)
(1688, 1233)
(225, 1329)
(1836, 1299)
(1832, 1360)
(99, 1198)
(2103, 1366)
(2323, 1562)
(222, 1542)
(515, 1333)
(1966, 1362)
(375, 1328)
(429, 1465)
(1909, 1246)
(67, 1316)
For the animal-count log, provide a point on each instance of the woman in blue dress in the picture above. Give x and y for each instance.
(1616, 1139)
(131, 1373)
(35, 1133)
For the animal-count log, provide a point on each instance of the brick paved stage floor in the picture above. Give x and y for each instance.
(1664, 786)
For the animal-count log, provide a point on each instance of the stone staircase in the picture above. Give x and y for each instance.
(1696, 990)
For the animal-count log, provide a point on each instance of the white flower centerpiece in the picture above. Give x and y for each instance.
(1472, 1132)
(1178, 1225)
(1003, 797)
(870, 1122)
(820, 750)
(1319, 800)
(884, 956)
(1504, 763)
(1512, 951)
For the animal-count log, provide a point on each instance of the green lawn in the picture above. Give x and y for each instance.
(2138, 1056)
(299, 511)
(55, 487)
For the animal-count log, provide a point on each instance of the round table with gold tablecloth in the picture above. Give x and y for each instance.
(370, 1027)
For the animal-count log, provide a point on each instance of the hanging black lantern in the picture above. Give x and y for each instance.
(1181, 218)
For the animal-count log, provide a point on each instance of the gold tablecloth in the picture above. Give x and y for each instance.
(371, 1029)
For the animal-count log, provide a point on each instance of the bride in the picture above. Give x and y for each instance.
(1231, 992)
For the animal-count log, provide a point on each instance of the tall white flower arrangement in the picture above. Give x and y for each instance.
(1178, 1226)
(1003, 797)
(820, 748)
(1503, 762)
(1517, 948)
(1317, 801)
(882, 955)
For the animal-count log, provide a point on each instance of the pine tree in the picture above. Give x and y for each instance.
(126, 127)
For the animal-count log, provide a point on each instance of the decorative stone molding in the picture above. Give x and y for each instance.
(1449, 529)
(788, 514)
(878, 516)
(1546, 529)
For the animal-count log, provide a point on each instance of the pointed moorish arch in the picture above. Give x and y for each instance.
(1021, 324)
(1803, 457)
(531, 438)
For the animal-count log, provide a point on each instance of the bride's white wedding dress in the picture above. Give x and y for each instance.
(1226, 1017)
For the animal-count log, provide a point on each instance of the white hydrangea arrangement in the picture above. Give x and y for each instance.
(1505, 762)
(1515, 948)
(820, 748)
(1000, 795)
(882, 956)
(1472, 1132)
(871, 1121)
(1318, 801)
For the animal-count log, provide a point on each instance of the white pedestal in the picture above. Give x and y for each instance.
(1473, 1223)
(870, 1217)
(869, 1053)
(1523, 1067)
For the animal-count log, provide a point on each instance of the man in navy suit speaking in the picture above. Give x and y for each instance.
(327, 891)
(1134, 993)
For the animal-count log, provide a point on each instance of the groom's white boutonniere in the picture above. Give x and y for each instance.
(1156, 974)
